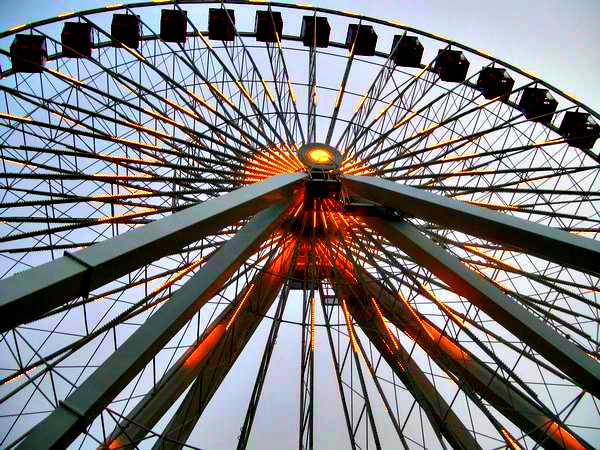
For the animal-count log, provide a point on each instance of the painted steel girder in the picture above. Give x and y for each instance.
(350, 290)
(27, 295)
(214, 367)
(208, 361)
(439, 412)
(549, 243)
(454, 358)
(565, 355)
(78, 410)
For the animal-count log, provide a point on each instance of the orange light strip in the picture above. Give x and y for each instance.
(132, 142)
(444, 307)
(491, 205)
(181, 108)
(143, 212)
(444, 143)
(134, 52)
(509, 439)
(134, 160)
(562, 436)
(383, 111)
(120, 177)
(488, 278)
(65, 118)
(17, 163)
(206, 41)
(200, 100)
(338, 98)
(267, 90)
(349, 326)
(15, 117)
(147, 129)
(220, 93)
(239, 307)
(291, 90)
(64, 76)
(244, 91)
(178, 275)
(8, 380)
(459, 157)
(207, 344)
(405, 120)
(324, 220)
(423, 71)
(503, 263)
(160, 116)
(385, 325)
(430, 128)
(361, 102)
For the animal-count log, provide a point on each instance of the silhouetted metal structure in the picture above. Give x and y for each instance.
(167, 192)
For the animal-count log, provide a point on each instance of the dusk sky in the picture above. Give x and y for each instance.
(557, 40)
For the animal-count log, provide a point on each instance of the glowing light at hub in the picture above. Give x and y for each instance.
(320, 156)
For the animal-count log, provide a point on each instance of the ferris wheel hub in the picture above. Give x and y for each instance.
(318, 156)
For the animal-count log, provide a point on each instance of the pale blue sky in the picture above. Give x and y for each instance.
(558, 40)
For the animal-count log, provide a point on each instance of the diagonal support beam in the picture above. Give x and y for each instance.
(78, 410)
(437, 409)
(565, 355)
(209, 359)
(28, 294)
(454, 358)
(215, 366)
(354, 296)
(545, 242)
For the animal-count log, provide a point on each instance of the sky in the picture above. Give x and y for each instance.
(557, 40)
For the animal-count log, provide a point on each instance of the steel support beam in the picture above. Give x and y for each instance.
(78, 410)
(454, 358)
(262, 371)
(214, 367)
(27, 295)
(440, 414)
(209, 359)
(565, 355)
(545, 242)
(353, 294)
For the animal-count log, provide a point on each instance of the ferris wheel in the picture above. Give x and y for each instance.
(263, 225)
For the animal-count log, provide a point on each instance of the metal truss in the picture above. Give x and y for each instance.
(157, 226)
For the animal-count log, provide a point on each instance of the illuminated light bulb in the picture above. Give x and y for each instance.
(320, 156)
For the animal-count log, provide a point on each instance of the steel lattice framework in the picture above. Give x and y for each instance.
(159, 225)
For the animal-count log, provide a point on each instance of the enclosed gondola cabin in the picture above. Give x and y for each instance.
(451, 65)
(361, 39)
(268, 26)
(221, 24)
(173, 25)
(126, 29)
(28, 53)
(495, 82)
(315, 31)
(538, 105)
(579, 129)
(76, 40)
(407, 51)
